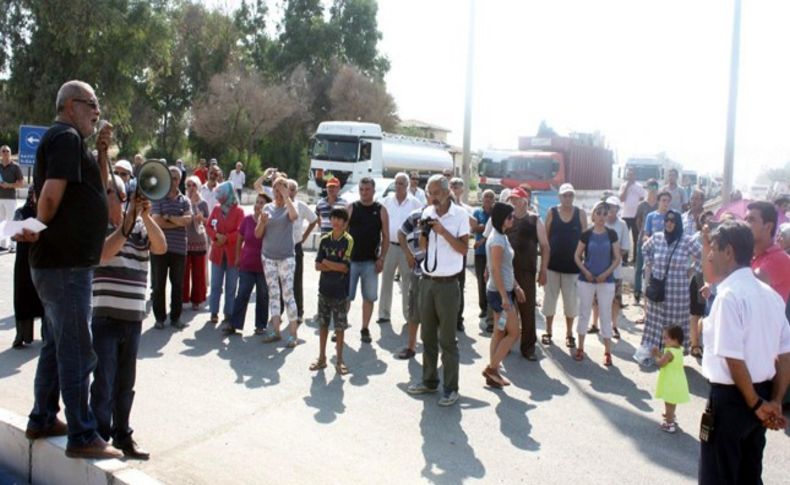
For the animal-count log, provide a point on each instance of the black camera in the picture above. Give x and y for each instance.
(425, 225)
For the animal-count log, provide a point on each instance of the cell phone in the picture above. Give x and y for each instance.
(706, 426)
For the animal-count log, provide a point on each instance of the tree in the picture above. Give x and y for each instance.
(356, 97)
(305, 37)
(356, 31)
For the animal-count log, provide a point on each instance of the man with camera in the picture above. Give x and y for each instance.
(445, 240)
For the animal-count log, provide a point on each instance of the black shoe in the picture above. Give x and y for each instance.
(383, 320)
(159, 325)
(132, 450)
(334, 337)
(482, 314)
(616, 333)
(592, 330)
(490, 328)
(178, 324)
(17, 342)
(460, 326)
(365, 335)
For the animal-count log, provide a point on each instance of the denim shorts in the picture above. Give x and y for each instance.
(366, 271)
(495, 300)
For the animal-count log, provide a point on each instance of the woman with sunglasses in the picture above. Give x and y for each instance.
(667, 255)
(222, 228)
(197, 246)
(597, 256)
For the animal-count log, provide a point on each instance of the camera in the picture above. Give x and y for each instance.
(425, 225)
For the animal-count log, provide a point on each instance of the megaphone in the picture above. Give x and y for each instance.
(153, 180)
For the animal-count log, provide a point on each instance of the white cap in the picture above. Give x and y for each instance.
(504, 195)
(565, 188)
(612, 200)
(123, 165)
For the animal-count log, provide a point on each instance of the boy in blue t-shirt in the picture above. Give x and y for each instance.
(333, 260)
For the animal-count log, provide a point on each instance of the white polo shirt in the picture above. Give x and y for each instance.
(398, 212)
(448, 261)
(237, 179)
(747, 322)
(634, 194)
(303, 214)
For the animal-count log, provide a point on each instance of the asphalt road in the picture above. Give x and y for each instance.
(221, 410)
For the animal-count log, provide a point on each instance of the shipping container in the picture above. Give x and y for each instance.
(587, 166)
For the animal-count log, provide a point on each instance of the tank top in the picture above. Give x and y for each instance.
(365, 227)
(563, 239)
(523, 236)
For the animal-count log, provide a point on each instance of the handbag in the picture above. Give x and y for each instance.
(657, 288)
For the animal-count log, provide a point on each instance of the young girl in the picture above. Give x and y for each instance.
(672, 385)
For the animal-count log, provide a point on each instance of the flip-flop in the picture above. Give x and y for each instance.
(570, 342)
(318, 364)
(271, 337)
(579, 355)
(545, 339)
(341, 368)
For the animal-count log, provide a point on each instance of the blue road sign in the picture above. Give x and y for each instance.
(29, 139)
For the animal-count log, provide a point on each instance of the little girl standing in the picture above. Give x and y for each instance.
(672, 385)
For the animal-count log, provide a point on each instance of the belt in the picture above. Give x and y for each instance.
(734, 387)
(394, 243)
(441, 279)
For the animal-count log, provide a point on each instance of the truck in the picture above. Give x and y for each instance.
(350, 150)
(650, 167)
(547, 162)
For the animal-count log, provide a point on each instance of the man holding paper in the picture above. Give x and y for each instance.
(70, 185)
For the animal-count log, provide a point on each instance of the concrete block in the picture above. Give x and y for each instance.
(51, 465)
(130, 476)
(14, 447)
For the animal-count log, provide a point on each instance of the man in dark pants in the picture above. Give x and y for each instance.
(481, 216)
(445, 241)
(70, 185)
(631, 193)
(119, 286)
(746, 360)
(172, 214)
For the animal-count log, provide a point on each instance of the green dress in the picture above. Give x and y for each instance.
(672, 385)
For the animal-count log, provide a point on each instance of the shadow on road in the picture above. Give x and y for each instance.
(532, 377)
(327, 399)
(11, 360)
(152, 341)
(256, 364)
(514, 422)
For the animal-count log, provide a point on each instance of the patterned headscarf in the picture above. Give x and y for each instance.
(226, 196)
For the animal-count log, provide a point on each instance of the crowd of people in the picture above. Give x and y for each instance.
(90, 269)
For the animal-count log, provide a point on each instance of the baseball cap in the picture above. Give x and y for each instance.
(123, 165)
(565, 188)
(612, 200)
(518, 193)
(333, 182)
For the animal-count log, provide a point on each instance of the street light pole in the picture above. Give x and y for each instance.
(470, 58)
(729, 148)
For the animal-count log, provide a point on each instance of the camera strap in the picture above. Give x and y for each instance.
(435, 254)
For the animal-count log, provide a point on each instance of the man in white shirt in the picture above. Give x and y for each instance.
(414, 188)
(300, 235)
(445, 242)
(399, 205)
(207, 190)
(631, 193)
(746, 360)
(457, 187)
(238, 178)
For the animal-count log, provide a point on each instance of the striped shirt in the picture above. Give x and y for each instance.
(412, 230)
(323, 208)
(178, 206)
(119, 285)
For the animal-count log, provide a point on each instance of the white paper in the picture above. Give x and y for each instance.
(12, 228)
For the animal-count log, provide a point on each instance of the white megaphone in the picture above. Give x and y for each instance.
(153, 180)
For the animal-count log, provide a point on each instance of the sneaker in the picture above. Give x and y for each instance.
(448, 398)
(482, 314)
(365, 336)
(420, 388)
(334, 338)
(159, 325)
(178, 324)
(668, 427)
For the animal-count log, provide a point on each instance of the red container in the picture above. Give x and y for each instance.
(587, 167)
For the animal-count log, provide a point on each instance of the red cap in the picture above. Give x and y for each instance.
(518, 193)
(333, 182)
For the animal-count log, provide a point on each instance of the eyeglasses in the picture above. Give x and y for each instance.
(89, 102)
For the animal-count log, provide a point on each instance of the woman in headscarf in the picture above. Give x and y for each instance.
(501, 292)
(197, 246)
(667, 255)
(223, 230)
(27, 305)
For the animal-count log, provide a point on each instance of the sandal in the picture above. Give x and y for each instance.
(570, 342)
(616, 333)
(271, 337)
(579, 355)
(593, 329)
(501, 379)
(492, 383)
(405, 354)
(291, 342)
(493, 375)
(341, 368)
(696, 351)
(318, 364)
(607, 359)
(545, 339)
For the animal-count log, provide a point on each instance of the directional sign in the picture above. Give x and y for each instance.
(29, 139)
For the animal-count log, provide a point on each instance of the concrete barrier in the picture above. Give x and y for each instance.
(45, 461)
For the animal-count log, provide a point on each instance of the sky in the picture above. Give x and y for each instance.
(649, 76)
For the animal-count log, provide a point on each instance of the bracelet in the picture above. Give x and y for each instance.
(757, 404)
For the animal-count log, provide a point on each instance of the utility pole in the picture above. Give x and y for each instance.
(470, 60)
(729, 148)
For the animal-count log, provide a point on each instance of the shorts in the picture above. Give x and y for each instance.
(557, 283)
(494, 300)
(333, 309)
(366, 271)
(696, 307)
(618, 293)
(414, 300)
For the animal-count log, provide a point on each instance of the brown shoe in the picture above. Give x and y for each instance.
(132, 450)
(97, 449)
(58, 428)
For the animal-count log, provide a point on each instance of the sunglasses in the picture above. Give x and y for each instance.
(89, 102)
(121, 174)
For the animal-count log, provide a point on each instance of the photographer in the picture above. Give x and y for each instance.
(445, 240)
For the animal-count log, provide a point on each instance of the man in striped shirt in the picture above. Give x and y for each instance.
(119, 285)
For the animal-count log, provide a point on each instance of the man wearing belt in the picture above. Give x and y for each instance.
(746, 360)
(399, 205)
(445, 242)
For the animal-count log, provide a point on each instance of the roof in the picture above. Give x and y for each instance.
(423, 125)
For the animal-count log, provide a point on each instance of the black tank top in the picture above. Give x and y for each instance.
(523, 236)
(563, 239)
(365, 228)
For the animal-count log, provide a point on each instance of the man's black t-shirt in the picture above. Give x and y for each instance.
(75, 235)
(365, 228)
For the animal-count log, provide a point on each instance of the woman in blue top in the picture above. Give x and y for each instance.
(597, 255)
(500, 292)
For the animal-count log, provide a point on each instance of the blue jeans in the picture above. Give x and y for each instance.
(112, 392)
(67, 358)
(230, 274)
(248, 280)
(365, 271)
(638, 271)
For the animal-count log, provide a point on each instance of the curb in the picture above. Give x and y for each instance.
(45, 461)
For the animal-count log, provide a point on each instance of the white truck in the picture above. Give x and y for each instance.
(350, 150)
(647, 167)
